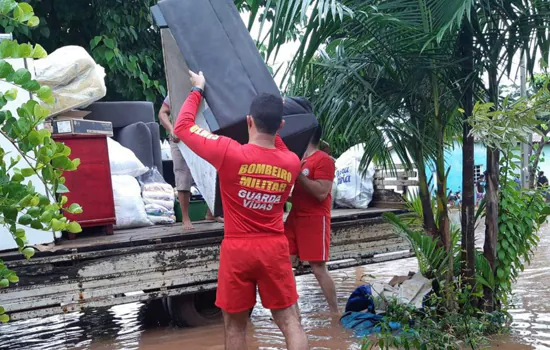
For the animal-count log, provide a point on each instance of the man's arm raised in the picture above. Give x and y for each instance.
(208, 146)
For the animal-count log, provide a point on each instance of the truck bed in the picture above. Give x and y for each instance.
(150, 263)
(166, 233)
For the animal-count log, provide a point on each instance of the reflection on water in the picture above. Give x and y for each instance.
(121, 327)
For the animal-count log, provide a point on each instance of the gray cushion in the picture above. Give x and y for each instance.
(137, 137)
(155, 139)
(123, 113)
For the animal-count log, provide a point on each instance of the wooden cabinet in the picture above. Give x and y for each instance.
(90, 185)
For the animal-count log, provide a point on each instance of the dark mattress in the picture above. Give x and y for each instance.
(212, 38)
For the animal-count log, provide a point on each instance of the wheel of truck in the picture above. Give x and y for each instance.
(154, 314)
(195, 310)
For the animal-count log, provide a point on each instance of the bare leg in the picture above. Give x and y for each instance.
(288, 322)
(210, 217)
(327, 285)
(185, 197)
(235, 330)
(294, 262)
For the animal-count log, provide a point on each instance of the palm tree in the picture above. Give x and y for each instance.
(393, 72)
(387, 77)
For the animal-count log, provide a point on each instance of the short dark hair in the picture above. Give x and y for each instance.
(267, 112)
(316, 138)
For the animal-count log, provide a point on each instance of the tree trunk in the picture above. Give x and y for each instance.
(491, 195)
(425, 198)
(442, 209)
(468, 169)
(491, 221)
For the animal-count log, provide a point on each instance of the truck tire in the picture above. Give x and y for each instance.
(195, 310)
(154, 314)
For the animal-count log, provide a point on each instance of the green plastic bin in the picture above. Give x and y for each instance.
(197, 210)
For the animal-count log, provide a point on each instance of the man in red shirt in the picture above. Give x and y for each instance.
(255, 182)
(308, 225)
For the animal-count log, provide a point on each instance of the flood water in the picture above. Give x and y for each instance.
(121, 327)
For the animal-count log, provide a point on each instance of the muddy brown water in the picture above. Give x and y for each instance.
(121, 327)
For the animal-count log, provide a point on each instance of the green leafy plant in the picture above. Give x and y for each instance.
(512, 123)
(28, 152)
(521, 212)
(435, 328)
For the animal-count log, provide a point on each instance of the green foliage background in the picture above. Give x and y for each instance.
(119, 34)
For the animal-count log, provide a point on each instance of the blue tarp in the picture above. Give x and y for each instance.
(365, 323)
(360, 315)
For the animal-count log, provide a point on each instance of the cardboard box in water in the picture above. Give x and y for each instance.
(220, 46)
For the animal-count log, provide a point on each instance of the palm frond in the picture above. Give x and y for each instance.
(432, 258)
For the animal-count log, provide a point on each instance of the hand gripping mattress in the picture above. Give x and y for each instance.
(210, 36)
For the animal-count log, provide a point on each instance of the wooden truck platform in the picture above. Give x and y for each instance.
(162, 263)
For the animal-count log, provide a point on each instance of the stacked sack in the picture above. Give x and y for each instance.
(158, 197)
(125, 167)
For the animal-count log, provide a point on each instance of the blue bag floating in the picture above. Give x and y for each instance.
(361, 300)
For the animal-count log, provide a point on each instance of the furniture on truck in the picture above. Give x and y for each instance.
(90, 185)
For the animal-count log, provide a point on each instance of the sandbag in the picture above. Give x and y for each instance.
(123, 161)
(74, 77)
(351, 187)
(129, 207)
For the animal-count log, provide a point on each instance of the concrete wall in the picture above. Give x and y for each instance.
(453, 159)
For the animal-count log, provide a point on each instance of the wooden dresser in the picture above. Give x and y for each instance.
(90, 185)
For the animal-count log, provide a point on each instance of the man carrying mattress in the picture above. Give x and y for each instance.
(255, 182)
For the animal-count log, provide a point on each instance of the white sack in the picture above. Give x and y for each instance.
(129, 207)
(123, 161)
(351, 189)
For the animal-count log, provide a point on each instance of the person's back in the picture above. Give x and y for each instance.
(543, 180)
(255, 181)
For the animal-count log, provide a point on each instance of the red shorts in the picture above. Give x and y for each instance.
(308, 237)
(261, 261)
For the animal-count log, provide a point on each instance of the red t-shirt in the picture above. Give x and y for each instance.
(318, 166)
(255, 182)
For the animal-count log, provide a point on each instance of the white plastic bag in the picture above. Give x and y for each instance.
(129, 207)
(123, 161)
(158, 195)
(163, 220)
(351, 189)
(157, 210)
(159, 198)
(74, 77)
(167, 205)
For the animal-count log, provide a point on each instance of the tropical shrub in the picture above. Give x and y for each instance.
(28, 154)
